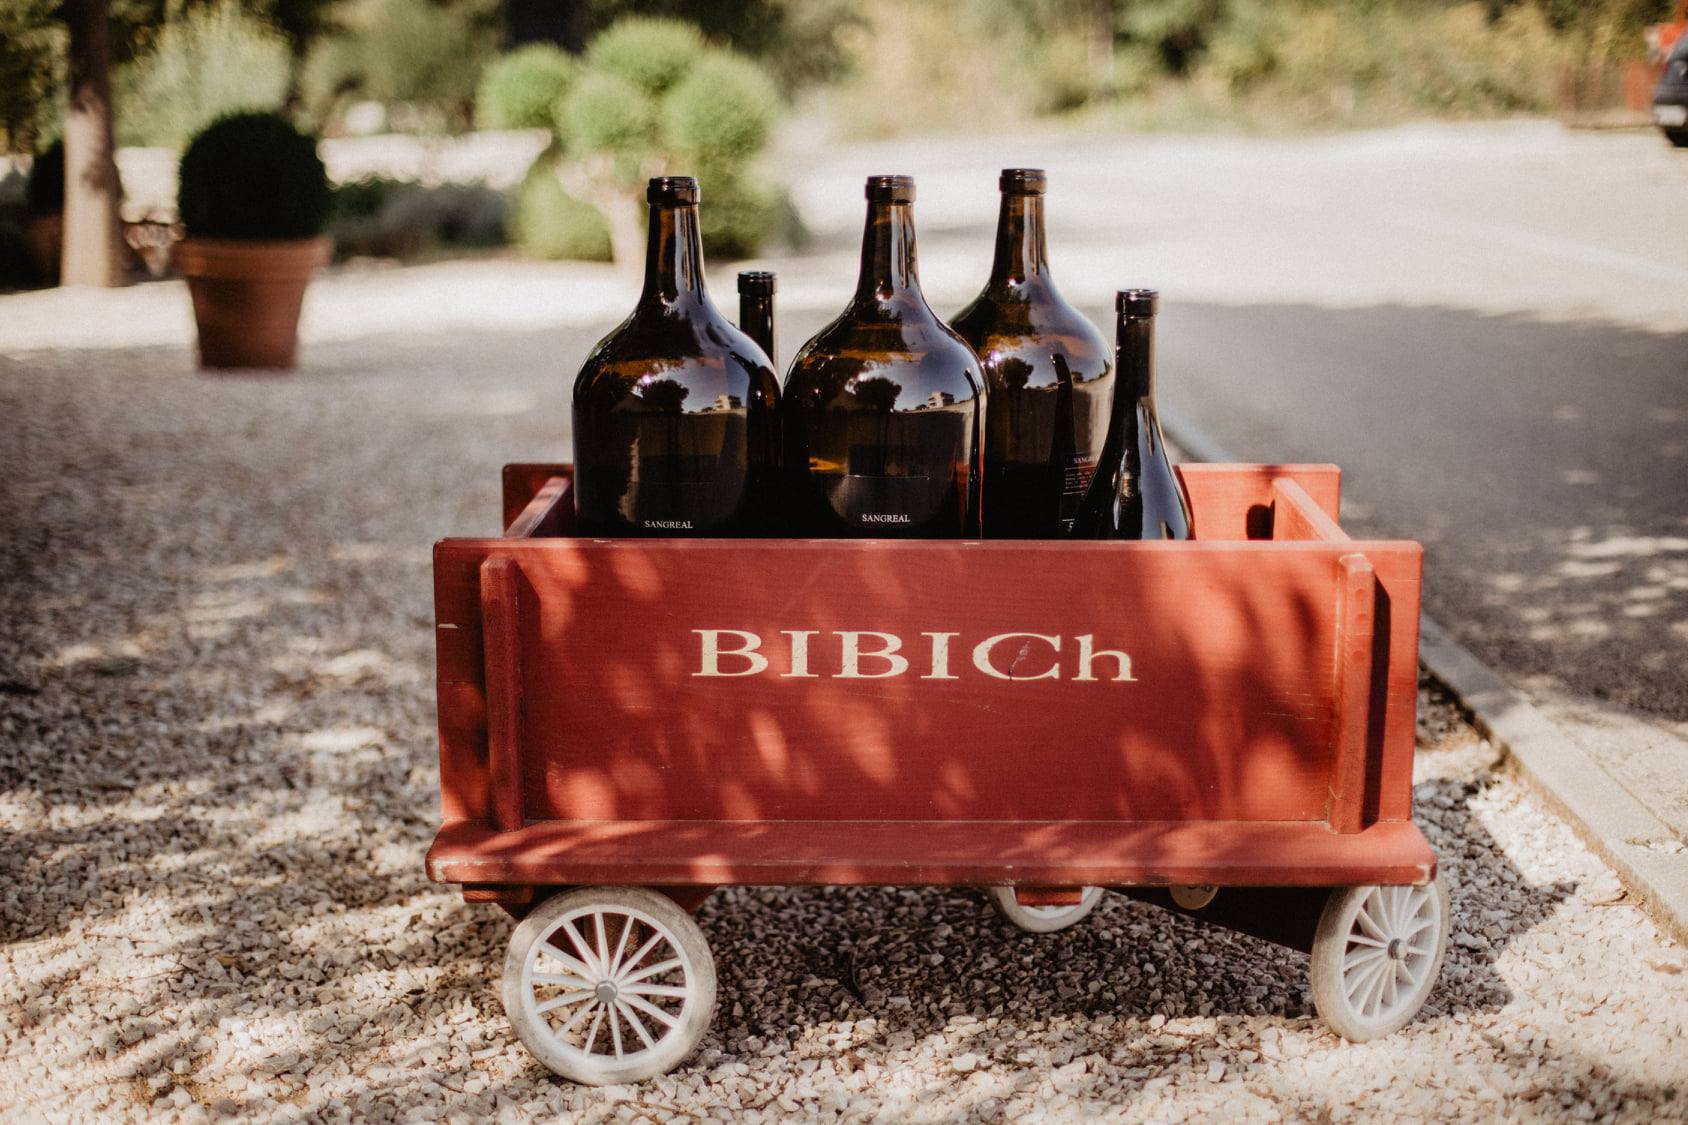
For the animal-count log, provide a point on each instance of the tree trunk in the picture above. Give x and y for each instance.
(92, 194)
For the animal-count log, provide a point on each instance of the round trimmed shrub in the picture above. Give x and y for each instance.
(252, 175)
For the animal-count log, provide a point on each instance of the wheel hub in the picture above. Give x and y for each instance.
(1397, 950)
(606, 992)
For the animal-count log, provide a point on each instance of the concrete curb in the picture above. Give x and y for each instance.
(1608, 818)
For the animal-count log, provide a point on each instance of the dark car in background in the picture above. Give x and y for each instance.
(1670, 97)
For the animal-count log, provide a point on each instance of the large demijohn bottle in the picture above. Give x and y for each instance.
(1049, 373)
(676, 429)
(882, 408)
(1134, 494)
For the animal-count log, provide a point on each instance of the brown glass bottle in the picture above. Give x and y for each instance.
(756, 309)
(1134, 494)
(882, 409)
(675, 412)
(1049, 374)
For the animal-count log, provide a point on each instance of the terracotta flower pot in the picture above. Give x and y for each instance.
(247, 294)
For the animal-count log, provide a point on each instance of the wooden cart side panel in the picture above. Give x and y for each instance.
(522, 482)
(1296, 515)
(549, 513)
(751, 681)
(1235, 501)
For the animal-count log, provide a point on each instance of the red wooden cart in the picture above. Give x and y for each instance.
(1223, 726)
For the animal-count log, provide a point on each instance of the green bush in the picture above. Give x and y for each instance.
(213, 61)
(651, 55)
(722, 112)
(655, 98)
(32, 73)
(252, 175)
(607, 113)
(550, 224)
(523, 88)
(737, 215)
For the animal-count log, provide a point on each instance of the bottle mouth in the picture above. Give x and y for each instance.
(1023, 181)
(757, 283)
(671, 190)
(1137, 303)
(890, 189)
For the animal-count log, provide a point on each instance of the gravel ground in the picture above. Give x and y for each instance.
(217, 779)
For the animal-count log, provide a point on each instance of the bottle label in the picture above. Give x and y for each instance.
(1076, 471)
(886, 502)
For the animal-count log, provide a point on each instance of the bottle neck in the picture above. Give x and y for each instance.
(889, 268)
(674, 256)
(1134, 363)
(1022, 249)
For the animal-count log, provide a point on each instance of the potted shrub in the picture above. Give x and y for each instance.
(253, 202)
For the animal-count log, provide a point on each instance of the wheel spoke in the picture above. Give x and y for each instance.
(1361, 985)
(559, 1001)
(651, 943)
(635, 1023)
(1365, 922)
(573, 964)
(589, 959)
(677, 991)
(649, 1009)
(615, 1029)
(602, 948)
(571, 980)
(597, 1026)
(574, 1022)
(615, 962)
(651, 971)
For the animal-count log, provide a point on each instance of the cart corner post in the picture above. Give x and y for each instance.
(501, 598)
(1357, 615)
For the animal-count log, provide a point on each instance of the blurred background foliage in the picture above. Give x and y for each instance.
(623, 89)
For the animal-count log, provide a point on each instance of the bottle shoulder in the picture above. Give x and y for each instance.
(922, 357)
(1018, 341)
(708, 356)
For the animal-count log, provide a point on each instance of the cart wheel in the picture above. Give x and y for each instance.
(1376, 956)
(1043, 919)
(609, 984)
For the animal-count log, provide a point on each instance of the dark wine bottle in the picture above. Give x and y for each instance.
(756, 309)
(1134, 494)
(882, 409)
(676, 430)
(1049, 373)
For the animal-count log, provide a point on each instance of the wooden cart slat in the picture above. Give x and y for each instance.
(930, 852)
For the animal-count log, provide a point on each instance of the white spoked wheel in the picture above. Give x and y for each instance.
(609, 984)
(1043, 919)
(1376, 956)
